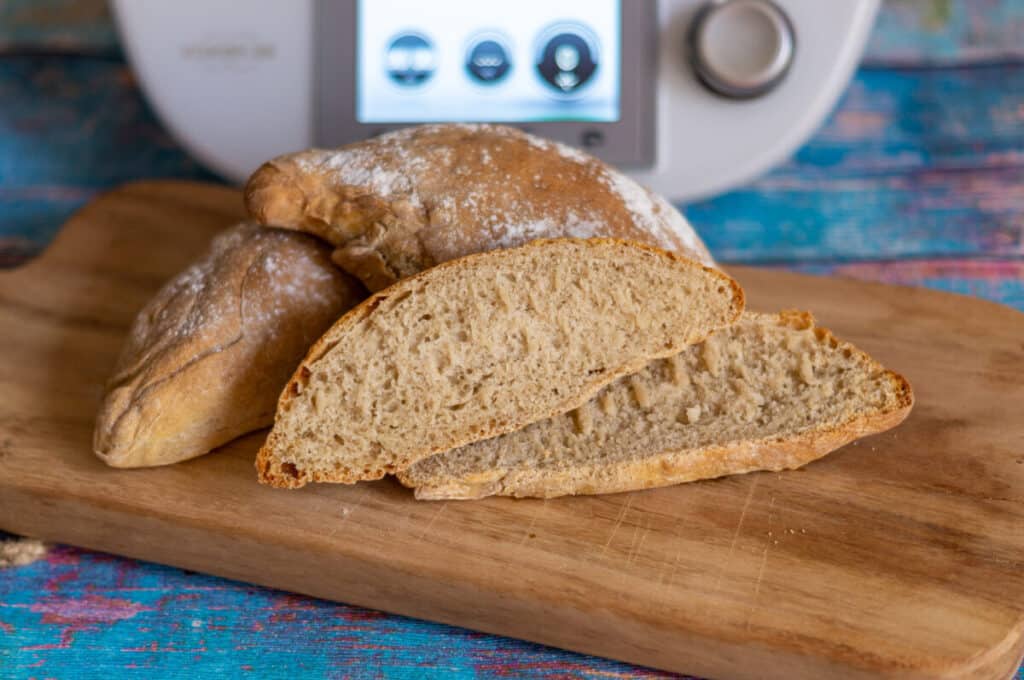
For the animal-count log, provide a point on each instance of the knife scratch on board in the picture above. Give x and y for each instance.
(347, 511)
(426, 529)
(736, 533)
(635, 545)
(528, 532)
(618, 523)
(764, 562)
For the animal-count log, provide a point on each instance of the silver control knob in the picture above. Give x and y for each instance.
(741, 48)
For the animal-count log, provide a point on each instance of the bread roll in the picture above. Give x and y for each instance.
(206, 359)
(399, 203)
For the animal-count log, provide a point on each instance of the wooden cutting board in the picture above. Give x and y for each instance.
(900, 556)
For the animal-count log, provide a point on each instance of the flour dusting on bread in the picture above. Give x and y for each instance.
(399, 203)
(206, 357)
(360, 168)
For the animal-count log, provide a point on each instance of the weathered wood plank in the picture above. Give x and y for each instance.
(70, 128)
(912, 163)
(128, 619)
(57, 25)
(999, 280)
(947, 31)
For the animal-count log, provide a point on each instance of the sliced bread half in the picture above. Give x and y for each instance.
(481, 346)
(772, 392)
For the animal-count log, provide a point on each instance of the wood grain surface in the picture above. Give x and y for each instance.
(900, 556)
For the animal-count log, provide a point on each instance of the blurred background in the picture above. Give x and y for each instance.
(917, 177)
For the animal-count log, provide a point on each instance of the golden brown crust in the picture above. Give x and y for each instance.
(276, 472)
(206, 358)
(397, 204)
(670, 467)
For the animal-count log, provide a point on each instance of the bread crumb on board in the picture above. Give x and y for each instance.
(17, 552)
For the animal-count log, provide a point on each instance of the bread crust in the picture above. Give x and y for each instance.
(673, 466)
(206, 358)
(276, 472)
(402, 202)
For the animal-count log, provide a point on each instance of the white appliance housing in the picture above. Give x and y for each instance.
(237, 87)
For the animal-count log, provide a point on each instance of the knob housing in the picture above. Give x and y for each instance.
(741, 49)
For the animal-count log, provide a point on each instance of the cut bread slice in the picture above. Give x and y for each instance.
(481, 346)
(772, 392)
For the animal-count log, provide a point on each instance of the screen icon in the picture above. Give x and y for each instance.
(488, 60)
(411, 59)
(567, 58)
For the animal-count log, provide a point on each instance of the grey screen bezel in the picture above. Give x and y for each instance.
(629, 141)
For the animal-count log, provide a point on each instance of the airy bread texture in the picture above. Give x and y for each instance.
(206, 359)
(482, 346)
(772, 392)
(399, 203)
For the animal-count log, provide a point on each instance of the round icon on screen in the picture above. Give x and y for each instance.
(567, 58)
(411, 59)
(488, 60)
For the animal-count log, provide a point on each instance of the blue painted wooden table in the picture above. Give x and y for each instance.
(917, 178)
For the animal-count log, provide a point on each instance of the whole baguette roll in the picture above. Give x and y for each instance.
(402, 202)
(207, 357)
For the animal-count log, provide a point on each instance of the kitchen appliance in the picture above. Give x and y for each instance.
(691, 97)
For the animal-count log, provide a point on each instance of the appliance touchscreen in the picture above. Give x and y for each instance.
(472, 61)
